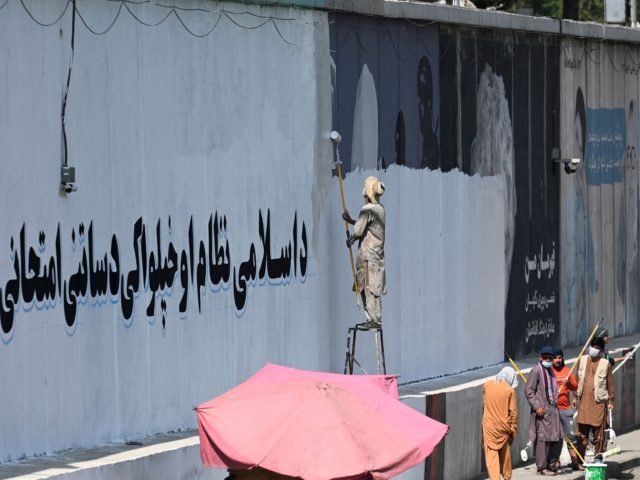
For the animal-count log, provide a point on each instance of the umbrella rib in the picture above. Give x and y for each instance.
(355, 440)
(292, 417)
(282, 429)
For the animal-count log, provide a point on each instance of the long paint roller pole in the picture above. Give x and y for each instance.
(595, 329)
(337, 138)
(517, 369)
(627, 357)
(525, 381)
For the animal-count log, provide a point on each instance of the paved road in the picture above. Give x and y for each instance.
(625, 465)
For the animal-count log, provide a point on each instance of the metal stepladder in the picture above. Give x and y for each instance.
(351, 347)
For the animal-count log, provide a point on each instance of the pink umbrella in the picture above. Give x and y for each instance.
(316, 426)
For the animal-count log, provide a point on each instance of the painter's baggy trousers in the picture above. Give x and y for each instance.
(371, 282)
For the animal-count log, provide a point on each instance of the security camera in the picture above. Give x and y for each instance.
(69, 187)
(335, 137)
(570, 164)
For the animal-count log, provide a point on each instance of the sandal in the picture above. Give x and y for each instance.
(547, 473)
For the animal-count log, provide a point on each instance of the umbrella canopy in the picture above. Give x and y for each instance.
(316, 426)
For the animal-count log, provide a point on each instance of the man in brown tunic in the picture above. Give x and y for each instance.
(595, 395)
(499, 422)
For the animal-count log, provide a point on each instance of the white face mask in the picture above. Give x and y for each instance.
(594, 352)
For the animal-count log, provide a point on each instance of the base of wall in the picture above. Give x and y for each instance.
(454, 400)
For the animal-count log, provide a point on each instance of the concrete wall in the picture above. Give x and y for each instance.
(125, 304)
(428, 267)
(204, 239)
(205, 236)
(599, 84)
(456, 401)
(182, 463)
(451, 102)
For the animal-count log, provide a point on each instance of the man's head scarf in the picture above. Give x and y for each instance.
(373, 189)
(509, 376)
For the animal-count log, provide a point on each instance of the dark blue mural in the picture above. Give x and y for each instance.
(483, 102)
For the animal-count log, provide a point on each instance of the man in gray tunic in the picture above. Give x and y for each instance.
(542, 395)
(369, 230)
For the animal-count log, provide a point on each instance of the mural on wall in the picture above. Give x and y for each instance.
(600, 201)
(98, 278)
(481, 103)
(492, 148)
(508, 86)
(387, 99)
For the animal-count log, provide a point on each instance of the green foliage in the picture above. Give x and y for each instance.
(592, 10)
(547, 8)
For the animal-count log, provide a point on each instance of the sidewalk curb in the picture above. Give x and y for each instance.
(614, 469)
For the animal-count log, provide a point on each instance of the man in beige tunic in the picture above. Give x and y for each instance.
(499, 422)
(369, 230)
(595, 396)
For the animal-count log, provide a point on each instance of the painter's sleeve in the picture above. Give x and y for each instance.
(361, 225)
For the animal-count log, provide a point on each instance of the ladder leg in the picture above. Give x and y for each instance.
(353, 351)
(348, 352)
(384, 363)
(377, 352)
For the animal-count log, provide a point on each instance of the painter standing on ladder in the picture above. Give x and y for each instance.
(369, 230)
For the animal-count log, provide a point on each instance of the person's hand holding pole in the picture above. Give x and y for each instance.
(595, 329)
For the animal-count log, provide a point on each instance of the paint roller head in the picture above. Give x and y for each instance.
(524, 453)
(613, 451)
(608, 453)
(335, 136)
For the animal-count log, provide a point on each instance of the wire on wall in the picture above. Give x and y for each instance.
(173, 10)
(65, 153)
(44, 24)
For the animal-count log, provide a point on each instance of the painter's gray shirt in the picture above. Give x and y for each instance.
(370, 262)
